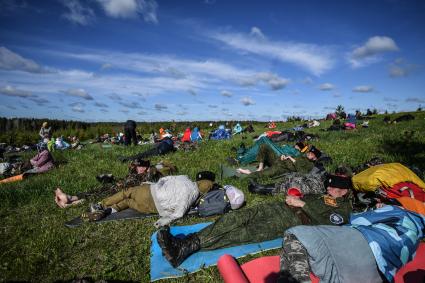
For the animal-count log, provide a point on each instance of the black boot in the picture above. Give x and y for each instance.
(255, 188)
(177, 250)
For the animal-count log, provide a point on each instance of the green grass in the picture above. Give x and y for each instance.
(36, 246)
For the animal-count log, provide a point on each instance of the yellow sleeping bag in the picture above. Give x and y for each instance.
(385, 175)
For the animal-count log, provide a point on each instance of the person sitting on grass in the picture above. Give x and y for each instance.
(170, 197)
(284, 164)
(139, 171)
(263, 222)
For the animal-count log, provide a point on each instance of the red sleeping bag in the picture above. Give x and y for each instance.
(266, 269)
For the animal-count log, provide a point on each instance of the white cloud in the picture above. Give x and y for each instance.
(12, 91)
(78, 109)
(274, 81)
(131, 9)
(247, 101)
(307, 81)
(368, 52)
(326, 87)
(130, 104)
(415, 100)
(226, 93)
(78, 14)
(38, 100)
(400, 68)
(198, 74)
(100, 104)
(255, 31)
(160, 107)
(14, 62)
(313, 58)
(78, 92)
(212, 106)
(363, 88)
(105, 66)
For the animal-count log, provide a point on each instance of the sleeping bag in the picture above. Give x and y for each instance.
(386, 176)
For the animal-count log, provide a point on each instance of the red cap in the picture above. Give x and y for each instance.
(295, 192)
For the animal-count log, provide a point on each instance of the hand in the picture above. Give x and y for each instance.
(284, 157)
(380, 205)
(294, 201)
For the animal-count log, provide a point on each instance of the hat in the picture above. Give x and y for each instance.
(339, 182)
(142, 163)
(295, 192)
(44, 124)
(302, 146)
(204, 186)
(235, 196)
(316, 151)
(205, 175)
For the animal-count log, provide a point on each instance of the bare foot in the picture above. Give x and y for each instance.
(61, 198)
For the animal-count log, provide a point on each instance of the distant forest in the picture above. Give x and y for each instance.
(19, 131)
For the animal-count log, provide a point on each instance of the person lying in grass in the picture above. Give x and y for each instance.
(170, 197)
(284, 164)
(263, 222)
(139, 171)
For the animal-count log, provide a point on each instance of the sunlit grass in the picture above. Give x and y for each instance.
(36, 246)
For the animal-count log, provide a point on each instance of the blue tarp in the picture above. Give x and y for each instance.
(161, 268)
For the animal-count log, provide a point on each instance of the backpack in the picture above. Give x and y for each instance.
(214, 202)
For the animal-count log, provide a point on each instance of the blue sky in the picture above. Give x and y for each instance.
(112, 60)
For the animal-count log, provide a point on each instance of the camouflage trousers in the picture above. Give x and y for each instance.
(306, 183)
(294, 266)
(262, 222)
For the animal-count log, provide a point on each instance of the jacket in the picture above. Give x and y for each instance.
(173, 195)
(43, 161)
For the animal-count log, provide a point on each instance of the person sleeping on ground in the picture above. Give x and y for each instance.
(377, 243)
(170, 197)
(284, 164)
(139, 171)
(304, 184)
(165, 146)
(263, 222)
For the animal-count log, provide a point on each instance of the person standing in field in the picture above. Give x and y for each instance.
(45, 132)
(130, 132)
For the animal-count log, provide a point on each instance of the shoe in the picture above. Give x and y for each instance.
(105, 178)
(95, 207)
(255, 188)
(176, 250)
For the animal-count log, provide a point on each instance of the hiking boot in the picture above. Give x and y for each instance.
(96, 207)
(176, 250)
(255, 188)
(105, 178)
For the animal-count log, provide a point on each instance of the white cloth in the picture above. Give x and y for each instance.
(173, 195)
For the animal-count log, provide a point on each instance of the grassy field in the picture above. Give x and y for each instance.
(36, 246)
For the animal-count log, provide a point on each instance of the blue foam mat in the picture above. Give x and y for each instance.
(161, 268)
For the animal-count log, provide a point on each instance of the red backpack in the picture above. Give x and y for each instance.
(404, 189)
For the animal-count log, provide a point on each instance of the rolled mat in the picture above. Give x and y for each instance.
(230, 270)
(266, 269)
(12, 179)
(261, 270)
